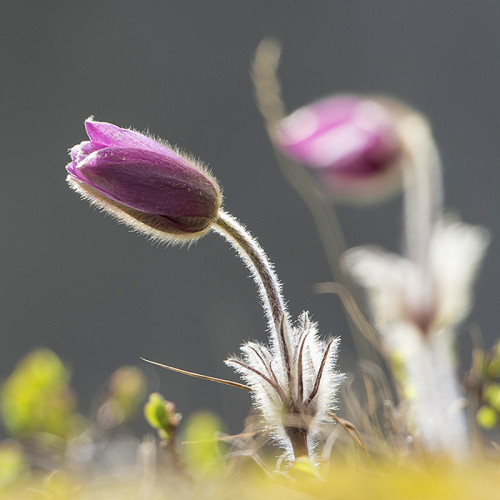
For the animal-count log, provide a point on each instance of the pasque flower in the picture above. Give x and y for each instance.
(157, 191)
(349, 141)
(144, 183)
(420, 298)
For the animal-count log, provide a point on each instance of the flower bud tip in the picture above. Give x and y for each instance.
(144, 183)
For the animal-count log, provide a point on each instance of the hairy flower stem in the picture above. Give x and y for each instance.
(259, 265)
(270, 102)
(270, 292)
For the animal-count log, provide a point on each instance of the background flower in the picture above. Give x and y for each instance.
(349, 142)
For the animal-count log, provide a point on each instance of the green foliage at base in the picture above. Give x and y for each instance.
(37, 397)
(53, 453)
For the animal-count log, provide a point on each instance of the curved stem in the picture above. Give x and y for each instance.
(423, 187)
(271, 105)
(259, 265)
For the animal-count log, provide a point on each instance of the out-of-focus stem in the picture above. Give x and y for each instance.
(257, 262)
(423, 198)
(431, 375)
(436, 400)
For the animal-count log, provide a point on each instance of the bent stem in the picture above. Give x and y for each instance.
(272, 108)
(270, 103)
(423, 193)
(259, 265)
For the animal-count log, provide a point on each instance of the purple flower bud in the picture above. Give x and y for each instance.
(144, 183)
(350, 142)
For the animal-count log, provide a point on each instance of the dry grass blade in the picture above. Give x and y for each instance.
(198, 375)
(223, 438)
(354, 434)
(355, 313)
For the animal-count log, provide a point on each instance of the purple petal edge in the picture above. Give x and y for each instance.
(109, 135)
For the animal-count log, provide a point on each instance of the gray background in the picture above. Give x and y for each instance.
(79, 283)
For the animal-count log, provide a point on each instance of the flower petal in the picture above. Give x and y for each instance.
(350, 135)
(149, 182)
(456, 252)
(109, 135)
(384, 276)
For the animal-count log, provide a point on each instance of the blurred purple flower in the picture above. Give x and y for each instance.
(144, 183)
(350, 142)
